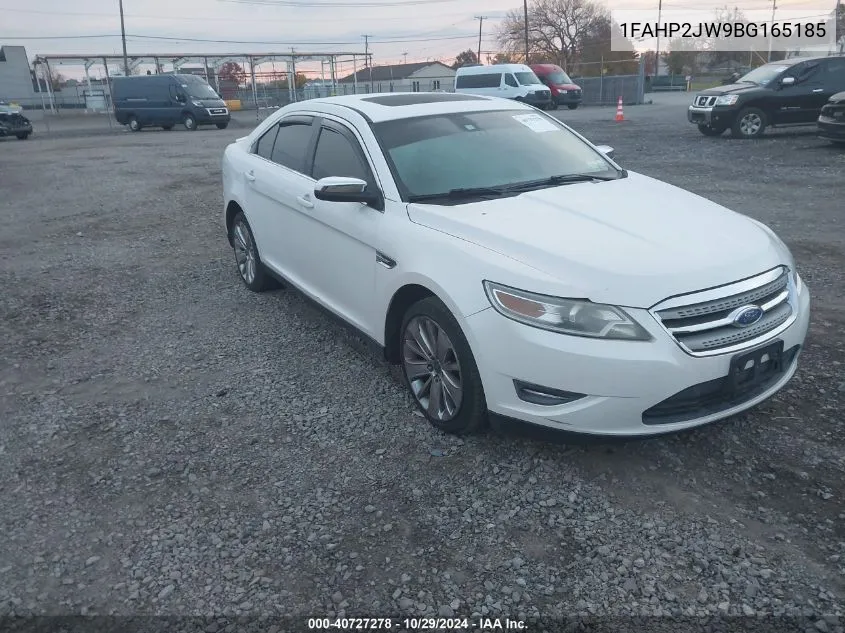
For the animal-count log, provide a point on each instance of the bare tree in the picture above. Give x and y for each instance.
(556, 29)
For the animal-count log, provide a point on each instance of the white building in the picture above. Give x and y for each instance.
(15, 76)
(417, 77)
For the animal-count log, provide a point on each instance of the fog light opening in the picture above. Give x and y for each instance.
(545, 396)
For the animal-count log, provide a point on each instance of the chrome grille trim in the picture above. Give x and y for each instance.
(700, 322)
(705, 101)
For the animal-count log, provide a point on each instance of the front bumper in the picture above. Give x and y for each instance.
(621, 380)
(831, 129)
(711, 116)
(538, 99)
(571, 97)
(14, 131)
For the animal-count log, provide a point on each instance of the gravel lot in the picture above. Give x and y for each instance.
(171, 443)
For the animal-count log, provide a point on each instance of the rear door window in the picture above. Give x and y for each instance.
(264, 146)
(834, 74)
(291, 146)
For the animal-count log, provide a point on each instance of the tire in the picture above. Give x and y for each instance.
(222, 126)
(167, 127)
(451, 370)
(250, 269)
(749, 123)
(189, 122)
(134, 124)
(23, 136)
(572, 106)
(711, 131)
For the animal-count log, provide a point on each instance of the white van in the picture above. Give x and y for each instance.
(509, 81)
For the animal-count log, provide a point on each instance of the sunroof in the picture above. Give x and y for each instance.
(420, 97)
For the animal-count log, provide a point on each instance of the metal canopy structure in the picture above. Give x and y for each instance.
(211, 62)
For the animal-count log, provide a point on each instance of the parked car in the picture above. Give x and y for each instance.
(831, 121)
(166, 100)
(508, 81)
(564, 91)
(13, 122)
(789, 92)
(512, 267)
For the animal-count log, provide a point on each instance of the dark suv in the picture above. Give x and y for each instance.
(789, 92)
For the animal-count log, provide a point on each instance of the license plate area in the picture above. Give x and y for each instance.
(749, 369)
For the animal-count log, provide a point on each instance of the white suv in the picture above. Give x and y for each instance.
(511, 267)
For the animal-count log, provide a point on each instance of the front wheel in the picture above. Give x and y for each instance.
(572, 106)
(189, 122)
(711, 131)
(750, 123)
(134, 124)
(23, 136)
(222, 126)
(440, 370)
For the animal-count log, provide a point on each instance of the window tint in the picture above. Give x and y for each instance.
(835, 74)
(809, 72)
(336, 156)
(511, 80)
(291, 145)
(486, 80)
(264, 146)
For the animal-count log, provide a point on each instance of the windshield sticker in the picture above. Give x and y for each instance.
(536, 123)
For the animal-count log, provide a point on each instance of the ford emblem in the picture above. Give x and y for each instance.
(746, 316)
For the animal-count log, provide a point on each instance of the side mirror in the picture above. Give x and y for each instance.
(340, 189)
(607, 150)
(787, 81)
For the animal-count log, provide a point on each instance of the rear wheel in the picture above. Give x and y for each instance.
(439, 369)
(572, 106)
(250, 268)
(189, 122)
(134, 124)
(750, 123)
(708, 130)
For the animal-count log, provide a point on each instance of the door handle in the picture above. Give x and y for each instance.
(305, 201)
(819, 90)
(250, 175)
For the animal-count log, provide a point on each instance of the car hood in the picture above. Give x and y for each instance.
(567, 87)
(731, 89)
(212, 103)
(630, 242)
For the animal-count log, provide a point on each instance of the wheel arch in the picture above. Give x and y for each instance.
(402, 299)
(232, 209)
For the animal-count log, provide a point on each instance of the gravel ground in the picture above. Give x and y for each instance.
(172, 444)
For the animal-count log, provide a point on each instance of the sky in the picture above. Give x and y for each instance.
(422, 29)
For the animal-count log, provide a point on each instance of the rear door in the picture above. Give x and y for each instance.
(801, 102)
(834, 77)
(277, 187)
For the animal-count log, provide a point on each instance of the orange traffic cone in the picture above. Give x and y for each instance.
(620, 116)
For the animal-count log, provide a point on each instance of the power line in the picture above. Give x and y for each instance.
(394, 40)
(335, 5)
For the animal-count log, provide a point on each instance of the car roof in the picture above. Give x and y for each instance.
(391, 106)
(491, 68)
(797, 60)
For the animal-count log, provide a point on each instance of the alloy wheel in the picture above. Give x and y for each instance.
(432, 367)
(244, 252)
(750, 124)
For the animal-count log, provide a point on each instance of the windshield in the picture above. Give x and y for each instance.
(527, 78)
(559, 78)
(762, 75)
(200, 90)
(433, 155)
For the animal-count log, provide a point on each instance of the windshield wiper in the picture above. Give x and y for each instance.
(562, 179)
(457, 194)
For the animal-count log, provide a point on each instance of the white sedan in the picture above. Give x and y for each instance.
(512, 267)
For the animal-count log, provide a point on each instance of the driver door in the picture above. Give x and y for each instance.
(337, 241)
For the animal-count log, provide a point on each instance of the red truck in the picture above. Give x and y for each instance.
(564, 92)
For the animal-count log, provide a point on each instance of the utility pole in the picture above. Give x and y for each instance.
(771, 26)
(367, 58)
(657, 52)
(480, 19)
(123, 37)
(839, 26)
(525, 19)
(404, 58)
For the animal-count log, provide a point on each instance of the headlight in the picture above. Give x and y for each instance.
(567, 316)
(796, 279)
(563, 92)
(726, 100)
(197, 103)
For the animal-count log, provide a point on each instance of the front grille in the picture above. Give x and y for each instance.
(705, 101)
(714, 396)
(707, 326)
